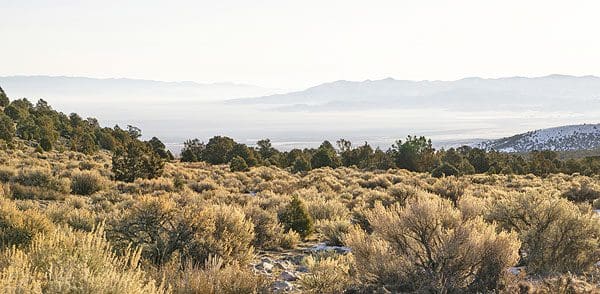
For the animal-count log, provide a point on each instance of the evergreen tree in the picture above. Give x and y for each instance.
(136, 160)
(7, 128)
(238, 164)
(3, 98)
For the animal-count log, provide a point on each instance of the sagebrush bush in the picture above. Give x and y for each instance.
(268, 232)
(333, 231)
(215, 277)
(87, 183)
(222, 231)
(20, 227)
(557, 236)
(583, 191)
(427, 246)
(327, 275)
(71, 262)
(18, 191)
(449, 187)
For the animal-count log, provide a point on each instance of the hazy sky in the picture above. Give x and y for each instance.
(295, 44)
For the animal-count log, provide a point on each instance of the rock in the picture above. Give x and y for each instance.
(282, 286)
(302, 269)
(288, 276)
(516, 270)
(324, 247)
(281, 265)
(266, 266)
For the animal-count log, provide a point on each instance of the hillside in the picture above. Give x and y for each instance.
(553, 92)
(564, 138)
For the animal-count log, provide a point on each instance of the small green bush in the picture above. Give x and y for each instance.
(296, 217)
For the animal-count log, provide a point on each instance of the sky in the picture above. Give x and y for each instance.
(298, 44)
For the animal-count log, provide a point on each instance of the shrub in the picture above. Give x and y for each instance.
(20, 227)
(72, 262)
(295, 217)
(326, 275)
(19, 191)
(267, 231)
(557, 236)
(582, 191)
(222, 231)
(87, 183)
(76, 218)
(214, 278)
(150, 224)
(289, 240)
(41, 178)
(427, 247)
(334, 230)
(6, 173)
(450, 188)
(444, 170)
(238, 164)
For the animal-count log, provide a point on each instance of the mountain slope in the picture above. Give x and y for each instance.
(565, 138)
(553, 92)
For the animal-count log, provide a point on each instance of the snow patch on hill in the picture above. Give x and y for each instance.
(565, 138)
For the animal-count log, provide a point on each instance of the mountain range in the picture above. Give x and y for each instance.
(548, 93)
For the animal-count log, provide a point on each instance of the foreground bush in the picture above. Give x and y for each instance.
(72, 262)
(557, 236)
(428, 247)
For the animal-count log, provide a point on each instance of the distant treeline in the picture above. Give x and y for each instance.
(414, 154)
(46, 129)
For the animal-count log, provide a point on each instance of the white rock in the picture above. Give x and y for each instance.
(266, 266)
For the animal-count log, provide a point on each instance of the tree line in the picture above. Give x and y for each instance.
(415, 153)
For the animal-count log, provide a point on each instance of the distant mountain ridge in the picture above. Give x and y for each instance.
(553, 92)
(564, 138)
(65, 86)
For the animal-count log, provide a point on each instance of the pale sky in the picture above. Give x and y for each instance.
(296, 44)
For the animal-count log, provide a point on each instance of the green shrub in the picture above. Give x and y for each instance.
(444, 170)
(238, 164)
(296, 217)
(87, 183)
(301, 164)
